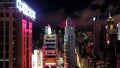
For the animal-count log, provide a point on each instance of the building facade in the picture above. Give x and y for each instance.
(69, 45)
(37, 58)
(50, 49)
(15, 37)
(111, 42)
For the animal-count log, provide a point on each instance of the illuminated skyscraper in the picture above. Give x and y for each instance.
(37, 58)
(16, 34)
(111, 40)
(69, 45)
(50, 49)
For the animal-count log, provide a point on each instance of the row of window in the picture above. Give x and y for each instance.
(6, 24)
(6, 39)
(7, 32)
(25, 18)
(6, 14)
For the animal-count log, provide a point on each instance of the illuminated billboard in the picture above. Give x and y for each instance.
(50, 60)
(25, 9)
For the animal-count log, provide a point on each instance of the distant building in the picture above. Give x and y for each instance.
(69, 45)
(50, 49)
(37, 59)
(110, 41)
(15, 34)
(60, 42)
(118, 25)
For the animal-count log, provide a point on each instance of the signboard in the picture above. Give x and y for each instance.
(50, 60)
(25, 9)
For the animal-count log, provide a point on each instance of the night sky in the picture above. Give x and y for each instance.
(54, 12)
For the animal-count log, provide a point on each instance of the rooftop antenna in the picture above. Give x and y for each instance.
(109, 14)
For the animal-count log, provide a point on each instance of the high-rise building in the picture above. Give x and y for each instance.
(50, 49)
(37, 58)
(110, 41)
(16, 34)
(69, 45)
(60, 42)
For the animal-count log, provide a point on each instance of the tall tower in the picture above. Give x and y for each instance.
(50, 49)
(69, 45)
(111, 39)
(15, 34)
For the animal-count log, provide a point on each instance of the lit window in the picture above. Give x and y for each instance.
(1, 43)
(13, 43)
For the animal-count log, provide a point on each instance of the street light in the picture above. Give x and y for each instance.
(94, 18)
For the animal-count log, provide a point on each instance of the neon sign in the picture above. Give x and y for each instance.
(25, 9)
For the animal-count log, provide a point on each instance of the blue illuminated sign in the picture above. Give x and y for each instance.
(25, 9)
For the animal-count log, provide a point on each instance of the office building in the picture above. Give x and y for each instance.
(69, 45)
(50, 49)
(37, 58)
(110, 41)
(16, 34)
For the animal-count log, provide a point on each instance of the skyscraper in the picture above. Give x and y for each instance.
(50, 49)
(15, 34)
(111, 40)
(69, 45)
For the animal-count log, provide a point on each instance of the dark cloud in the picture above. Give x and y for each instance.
(82, 12)
(98, 2)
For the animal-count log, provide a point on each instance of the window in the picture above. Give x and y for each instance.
(14, 33)
(1, 49)
(1, 39)
(7, 32)
(7, 27)
(7, 40)
(13, 24)
(7, 14)
(24, 17)
(50, 56)
(50, 40)
(1, 14)
(1, 32)
(1, 23)
(7, 24)
(50, 44)
(13, 15)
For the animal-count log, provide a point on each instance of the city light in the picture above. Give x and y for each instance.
(25, 9)
(48, 30)
(94, 18)
(118, 25)
(50, 63)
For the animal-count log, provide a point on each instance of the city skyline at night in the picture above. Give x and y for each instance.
(79, 34)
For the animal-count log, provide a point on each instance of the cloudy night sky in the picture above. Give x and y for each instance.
(81, 11)
(54, 12)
